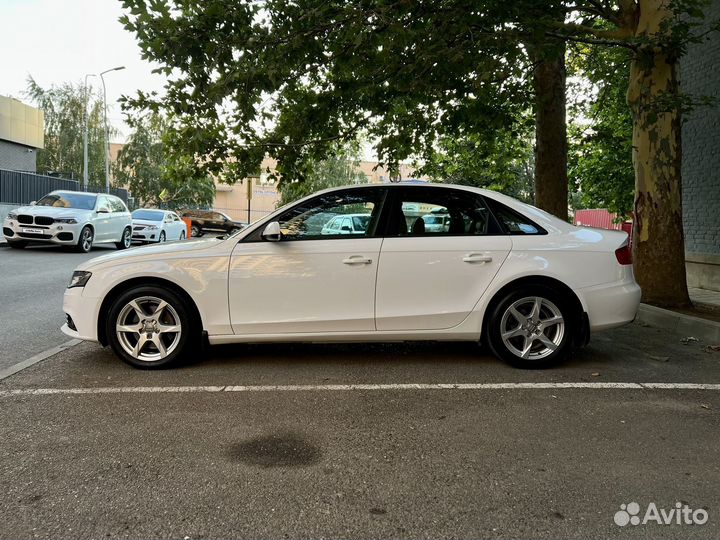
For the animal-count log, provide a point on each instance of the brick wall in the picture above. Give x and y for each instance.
(700, 76)
(16, 157)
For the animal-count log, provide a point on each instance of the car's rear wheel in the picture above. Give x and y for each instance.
(85, 240)
(125, 240)
(17, 244)
(182, 235)
(531, 327)
(151, 327)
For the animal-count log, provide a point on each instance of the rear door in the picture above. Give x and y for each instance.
(430, 278)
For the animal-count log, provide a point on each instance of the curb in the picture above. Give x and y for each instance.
(687, 325)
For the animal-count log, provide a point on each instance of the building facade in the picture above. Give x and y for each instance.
(21, 135)
(700, 76)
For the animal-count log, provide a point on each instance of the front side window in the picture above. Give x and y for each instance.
(81, 201)
(333, 215)
(440, 212)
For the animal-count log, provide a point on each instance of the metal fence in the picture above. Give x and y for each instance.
(23, 187)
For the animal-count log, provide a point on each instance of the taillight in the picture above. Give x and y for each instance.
(624, 254)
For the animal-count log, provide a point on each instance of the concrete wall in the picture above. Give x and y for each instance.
(16, 157)
(700, 76)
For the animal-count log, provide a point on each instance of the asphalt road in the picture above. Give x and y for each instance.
(32, 284)
(384, 461)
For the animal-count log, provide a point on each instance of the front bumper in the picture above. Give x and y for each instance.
(146, 235)
(57, 233)
(83, 313)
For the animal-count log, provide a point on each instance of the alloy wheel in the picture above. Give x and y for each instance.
(86, 239)
(148, 328)
(532, 328)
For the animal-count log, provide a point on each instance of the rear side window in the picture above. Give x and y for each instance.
(431, 211)
(513, 222)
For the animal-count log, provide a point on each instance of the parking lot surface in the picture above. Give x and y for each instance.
(271, 441)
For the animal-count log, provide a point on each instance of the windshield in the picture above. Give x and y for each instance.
(68, 200)
(149, 215)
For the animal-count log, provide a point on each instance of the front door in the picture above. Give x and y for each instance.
(441, 251)
(311, 281)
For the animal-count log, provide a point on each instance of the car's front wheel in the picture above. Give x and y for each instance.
(151, 327)
(85, 240)
(125, 240)
(531, 327)
(195, 231)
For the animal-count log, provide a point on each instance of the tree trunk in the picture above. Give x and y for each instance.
(551, 184)
(658, 246)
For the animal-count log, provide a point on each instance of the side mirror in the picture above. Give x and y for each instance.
(33, 203)
(272, 232)
(103, 210)
(346, 229)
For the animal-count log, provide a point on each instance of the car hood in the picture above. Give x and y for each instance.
(159, 251)
(52, 211)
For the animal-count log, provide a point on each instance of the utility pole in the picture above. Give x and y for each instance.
(107, 142)
(85, 133)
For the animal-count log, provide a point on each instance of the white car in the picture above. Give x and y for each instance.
(150, 225)
(528, 284)
(347, 224)
(70, 218)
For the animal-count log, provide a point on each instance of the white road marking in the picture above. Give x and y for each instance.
(356, 387)
(12, 370)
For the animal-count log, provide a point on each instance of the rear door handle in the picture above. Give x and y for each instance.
(475, 258)
(357, 259)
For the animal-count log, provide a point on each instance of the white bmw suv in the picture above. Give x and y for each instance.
(71, 218)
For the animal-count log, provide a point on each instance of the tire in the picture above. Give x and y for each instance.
(150, 355)
(85, 240)
(195, 231)
(182, 236)
(17, 244)
(514, 335)
(126, 239)
(162, 237)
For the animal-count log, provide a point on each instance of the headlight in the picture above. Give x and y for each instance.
(70, 220)
(151, 227)
(12, 215)
(79, 279)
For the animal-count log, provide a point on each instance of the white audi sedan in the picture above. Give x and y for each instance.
(150, 226)
(70, 218)
(528, 284)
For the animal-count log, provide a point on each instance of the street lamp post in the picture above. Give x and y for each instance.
(107, 142)
(85, 133)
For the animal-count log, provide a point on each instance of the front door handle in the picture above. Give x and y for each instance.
(475, 258)
(357, 259)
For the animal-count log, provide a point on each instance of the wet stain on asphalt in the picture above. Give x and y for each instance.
(276, 450)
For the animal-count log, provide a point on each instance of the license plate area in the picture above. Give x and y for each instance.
(33, 231)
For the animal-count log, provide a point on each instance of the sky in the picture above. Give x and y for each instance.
(59, 41)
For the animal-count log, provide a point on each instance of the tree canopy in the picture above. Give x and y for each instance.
(155, 176)
(289, 79)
